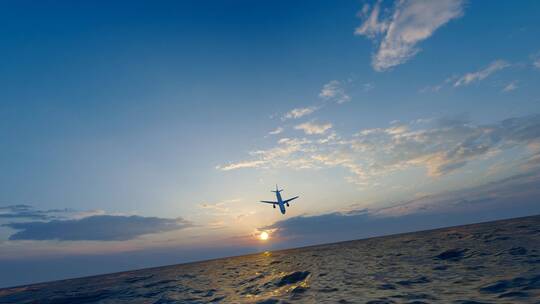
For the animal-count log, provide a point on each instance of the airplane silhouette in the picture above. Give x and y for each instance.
(282, 203)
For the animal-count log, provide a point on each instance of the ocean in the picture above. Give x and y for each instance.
(495, 262)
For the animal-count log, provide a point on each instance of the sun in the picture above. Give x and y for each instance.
(264, 236)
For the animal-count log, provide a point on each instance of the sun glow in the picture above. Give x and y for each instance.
(264, 236)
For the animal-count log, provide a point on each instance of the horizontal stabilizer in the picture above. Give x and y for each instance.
(277, 190)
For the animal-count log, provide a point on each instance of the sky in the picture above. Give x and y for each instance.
(144, 134)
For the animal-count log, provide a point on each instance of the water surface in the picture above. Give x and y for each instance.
(496, 262)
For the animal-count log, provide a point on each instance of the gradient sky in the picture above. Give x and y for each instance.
(141, 134)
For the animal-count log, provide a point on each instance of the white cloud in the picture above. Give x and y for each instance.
(239, 165)
(279, 156)
(408, 23)
(441, 146)
(219, 207)
(299, 112)
(436, 88)
(511, 86)
(371, 26)
(311, 128)
(278, 130)
(468, 78)
(368, 86)
(482, 74)
(88, 213)
(536, 61)
(334, 91)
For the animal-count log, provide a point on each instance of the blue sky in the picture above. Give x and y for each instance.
(167, 122)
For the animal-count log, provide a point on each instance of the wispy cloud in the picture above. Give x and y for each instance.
(334, 91)
(368, 86)
(311, 128)
(433, 89)
(276, 131)
(469, 78)
(372, 26)
(282, 155)
(299, 112)
(398, 30)
(95, 228)
(441, 146)
(536, 60)
(22, 211)
(482, 74)
(220, 207)
(510, 87)
(331, 92)
(240, 165)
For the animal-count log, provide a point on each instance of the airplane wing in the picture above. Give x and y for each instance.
(268, 202)
(286, 201)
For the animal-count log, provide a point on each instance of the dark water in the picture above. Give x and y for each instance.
(497, 262)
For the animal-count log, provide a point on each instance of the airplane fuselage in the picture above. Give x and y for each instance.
(280, 203)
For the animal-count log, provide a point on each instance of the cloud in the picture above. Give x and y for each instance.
(372, 26)
(441, 146)
(398, 31)
(510, 87)
(87, 213)
(493, 67)
(368, 86)
(278, 130)
(240, 165)
(536, 60)
(468, 78)
(432, 89)
(510, 190)
(281, 155)
(22, 211)
(311, 128)
(334, 91)
(14, 208)
(299, 112)
(286, 148)
(95, 228)
(509, 197)
(219, 207)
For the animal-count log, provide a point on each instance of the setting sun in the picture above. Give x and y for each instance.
(264, 236)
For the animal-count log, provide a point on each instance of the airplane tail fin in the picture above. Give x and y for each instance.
(277, 189)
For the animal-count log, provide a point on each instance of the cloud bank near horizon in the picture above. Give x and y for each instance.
(509, 197)
(94, 228)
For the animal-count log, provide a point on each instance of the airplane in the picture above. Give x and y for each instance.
(282, 203)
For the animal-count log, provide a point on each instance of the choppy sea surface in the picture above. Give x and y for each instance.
(496, 262)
